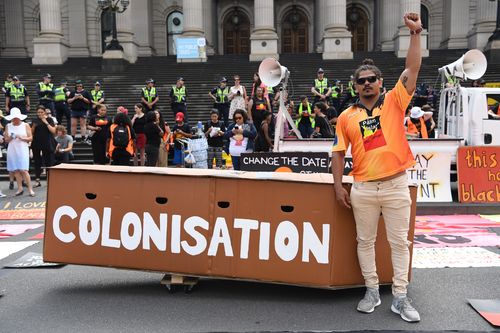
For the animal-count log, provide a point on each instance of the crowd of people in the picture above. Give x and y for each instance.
(240, 121)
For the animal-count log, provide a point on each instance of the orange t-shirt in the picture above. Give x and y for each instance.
(379, 146)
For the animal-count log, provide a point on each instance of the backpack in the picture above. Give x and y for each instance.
(121, 136)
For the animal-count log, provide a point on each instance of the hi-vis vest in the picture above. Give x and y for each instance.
(321, 86)
(311, 119)
(179, 94)
(149, 95)
(17, 93)
(413, 129)
(59, 95)
(130, 147)
(351, 89)
(96, 95)
(335, 93)
(8, 84)
(221, 95)
(45, 88)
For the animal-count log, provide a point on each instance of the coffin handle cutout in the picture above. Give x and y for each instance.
(287, 209)
(223, 204)
(90, 196)
(161, 200)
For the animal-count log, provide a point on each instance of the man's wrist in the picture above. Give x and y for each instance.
(417, 31)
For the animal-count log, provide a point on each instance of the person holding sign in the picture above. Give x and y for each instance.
(373, 127)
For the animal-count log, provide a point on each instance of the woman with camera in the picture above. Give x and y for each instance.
(240, 135)
(237, 96)
(18, 136)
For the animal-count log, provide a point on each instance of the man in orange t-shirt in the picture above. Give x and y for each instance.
(374, 129)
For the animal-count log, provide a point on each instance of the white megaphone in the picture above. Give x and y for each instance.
(472, 65)
(271, 72)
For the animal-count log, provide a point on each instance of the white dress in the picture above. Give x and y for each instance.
(238, 101)
(18, 152)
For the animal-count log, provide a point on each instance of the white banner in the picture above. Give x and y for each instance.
(432, 176)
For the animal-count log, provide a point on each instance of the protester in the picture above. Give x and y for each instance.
(180, 131)
(64, 148)
(122, 109)
(165, 141)
(61, 107)
(17, 97)
(264, 139)
(380, 152)
(99, 124)
(331, 115)
(97, 98)
(80, 101)
(257, 82)
(419, 124)
(220, 95)
(120, 143)
(237, 96)
(214, 130)
(45, 92)
(241, 135)
(178, 96)
(257, 106)
(305, 120)
(43, 143)
(138, 123)
(153, 133)
(321, 88)
(18, 136)
(322, 128)
(149, 96)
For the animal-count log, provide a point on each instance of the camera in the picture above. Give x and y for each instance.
(236, 127)
(13, 135)
(238, 93)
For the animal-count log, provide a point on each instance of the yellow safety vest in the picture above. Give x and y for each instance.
(96, 95)
(17, 93)
(350, 87)
(179, 94)
(149, 95)
(59, 94)
(321, 86)
(221, 95)
(313, 122)
(8, 84)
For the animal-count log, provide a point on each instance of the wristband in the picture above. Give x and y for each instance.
(416, 32)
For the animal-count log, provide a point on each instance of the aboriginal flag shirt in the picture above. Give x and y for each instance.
(378, 142)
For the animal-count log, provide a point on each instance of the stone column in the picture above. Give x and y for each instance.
(319, 28)
(142, 26)
(389, 23)
(193, 24)
(50, 48)
(209, 26)
(263, 40)
(337, 39)
(14, 30)
(402, 37)
(484, 25)
(455, 24)
(78, 45)
(125, 34)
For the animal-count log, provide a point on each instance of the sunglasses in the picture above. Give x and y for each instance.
(238, 118)
(370, 79)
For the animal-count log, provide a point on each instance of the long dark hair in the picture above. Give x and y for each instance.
(150, 117)
(122, 119)
(243, 113)
(258, 82)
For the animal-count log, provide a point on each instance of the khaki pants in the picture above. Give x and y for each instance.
(392, 199)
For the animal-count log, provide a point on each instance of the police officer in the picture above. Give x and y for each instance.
(17, 97)
(45, 92)
(305, 121)
(178, 95)
(7, 83)
(336, 94)
(321, 88)
(97, 97)
(149, 96)
(61, 95)
(350, 96)
(221, 101)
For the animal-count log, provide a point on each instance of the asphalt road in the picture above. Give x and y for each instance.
(91, 299)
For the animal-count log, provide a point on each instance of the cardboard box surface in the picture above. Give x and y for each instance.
(271, 227)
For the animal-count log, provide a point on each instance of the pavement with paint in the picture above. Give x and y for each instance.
(455, 258)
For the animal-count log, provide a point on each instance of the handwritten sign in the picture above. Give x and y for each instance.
(479, 174)
(431, 173)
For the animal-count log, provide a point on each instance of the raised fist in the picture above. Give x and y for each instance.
(412, 21)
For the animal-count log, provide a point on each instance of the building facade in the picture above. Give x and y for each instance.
(50, 31)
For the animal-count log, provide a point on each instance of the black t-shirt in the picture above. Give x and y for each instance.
(331, 113)
(139, 124)
(104, 123)
(152, 132)
(79, 104)
(42, 138)
(185, 128)
(324, 127)
(216, 141)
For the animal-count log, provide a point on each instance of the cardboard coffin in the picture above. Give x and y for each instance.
(271, 227)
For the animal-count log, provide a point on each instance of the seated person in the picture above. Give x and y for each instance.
(64, 148)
